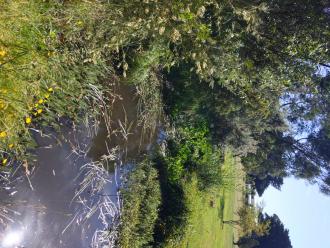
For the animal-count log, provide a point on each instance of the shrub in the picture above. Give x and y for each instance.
(141, 200)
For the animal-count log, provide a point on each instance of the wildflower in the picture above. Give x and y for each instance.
(80, 23)
(3, 53)
(176, 36)
(50, 53)
(4, 161)
(41, 101)
(2, 104)
(28, 120)
(3, 134)
(36, 105)
(39, 111)
(47, 96)
(125, 66)
(161, 30)
(11, 145)
(50, 89)
(201, 11)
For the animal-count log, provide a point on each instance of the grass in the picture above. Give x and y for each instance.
(206, 229)
(71, 46)
(48, 68)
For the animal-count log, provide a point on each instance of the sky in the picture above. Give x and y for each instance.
(303, 210)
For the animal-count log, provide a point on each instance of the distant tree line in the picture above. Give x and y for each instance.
(276, 237)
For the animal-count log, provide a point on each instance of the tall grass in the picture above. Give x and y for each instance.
(54, 53)
(51, 64)
(141, 200)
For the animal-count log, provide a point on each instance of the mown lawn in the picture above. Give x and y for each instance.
(206, 229)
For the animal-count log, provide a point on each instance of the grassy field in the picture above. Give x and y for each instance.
(206, 228)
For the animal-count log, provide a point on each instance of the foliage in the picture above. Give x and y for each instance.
(247, 242)
(277, 236)
(252, 53)
(191, 196)
(173, 213)
(189, 166)
(183, 200)
(51, 66)
(249, 223)
(232, 74)
(141, 200)
(262, 184)
(191, 150)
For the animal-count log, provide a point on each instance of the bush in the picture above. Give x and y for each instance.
(190, 167)
(192, 151)
(141, 200)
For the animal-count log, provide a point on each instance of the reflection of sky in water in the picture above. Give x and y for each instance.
(12, 238)
(40, 215)
(47, 210)
(43, 212)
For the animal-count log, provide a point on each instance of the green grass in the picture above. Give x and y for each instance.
(50, 66)
(206, 229)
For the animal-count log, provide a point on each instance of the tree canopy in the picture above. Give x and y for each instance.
(277, 236)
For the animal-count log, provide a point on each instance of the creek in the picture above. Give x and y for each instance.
(70, 197)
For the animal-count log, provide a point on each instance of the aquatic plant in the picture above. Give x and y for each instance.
(141, 199)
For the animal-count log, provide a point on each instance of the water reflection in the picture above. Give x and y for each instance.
(42, 206)
(13, 238)
(70, 197)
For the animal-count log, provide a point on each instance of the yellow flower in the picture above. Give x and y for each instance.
(47, 96)
(11, 145)
(50, 89)
(4, 161)
(39, 111)
(41, 101)
(3, 53)
(2, 104)
(36, 105)
(28, 120)
(3, 134)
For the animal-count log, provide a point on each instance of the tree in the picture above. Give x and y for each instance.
(277, 236)
(262, 184)
(308, 112)
(247, 242)
(249, 222)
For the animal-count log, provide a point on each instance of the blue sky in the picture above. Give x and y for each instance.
(303, 210)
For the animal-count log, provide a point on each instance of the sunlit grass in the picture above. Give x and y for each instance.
(209, 209)
(46, 70)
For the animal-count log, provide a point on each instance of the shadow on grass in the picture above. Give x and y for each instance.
(221, 210)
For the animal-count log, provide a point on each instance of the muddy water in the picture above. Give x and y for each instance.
(43, 210)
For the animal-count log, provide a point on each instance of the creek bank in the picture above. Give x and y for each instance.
(71, 198)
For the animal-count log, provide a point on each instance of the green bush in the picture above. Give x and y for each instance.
(192, 151)
(141, 200)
